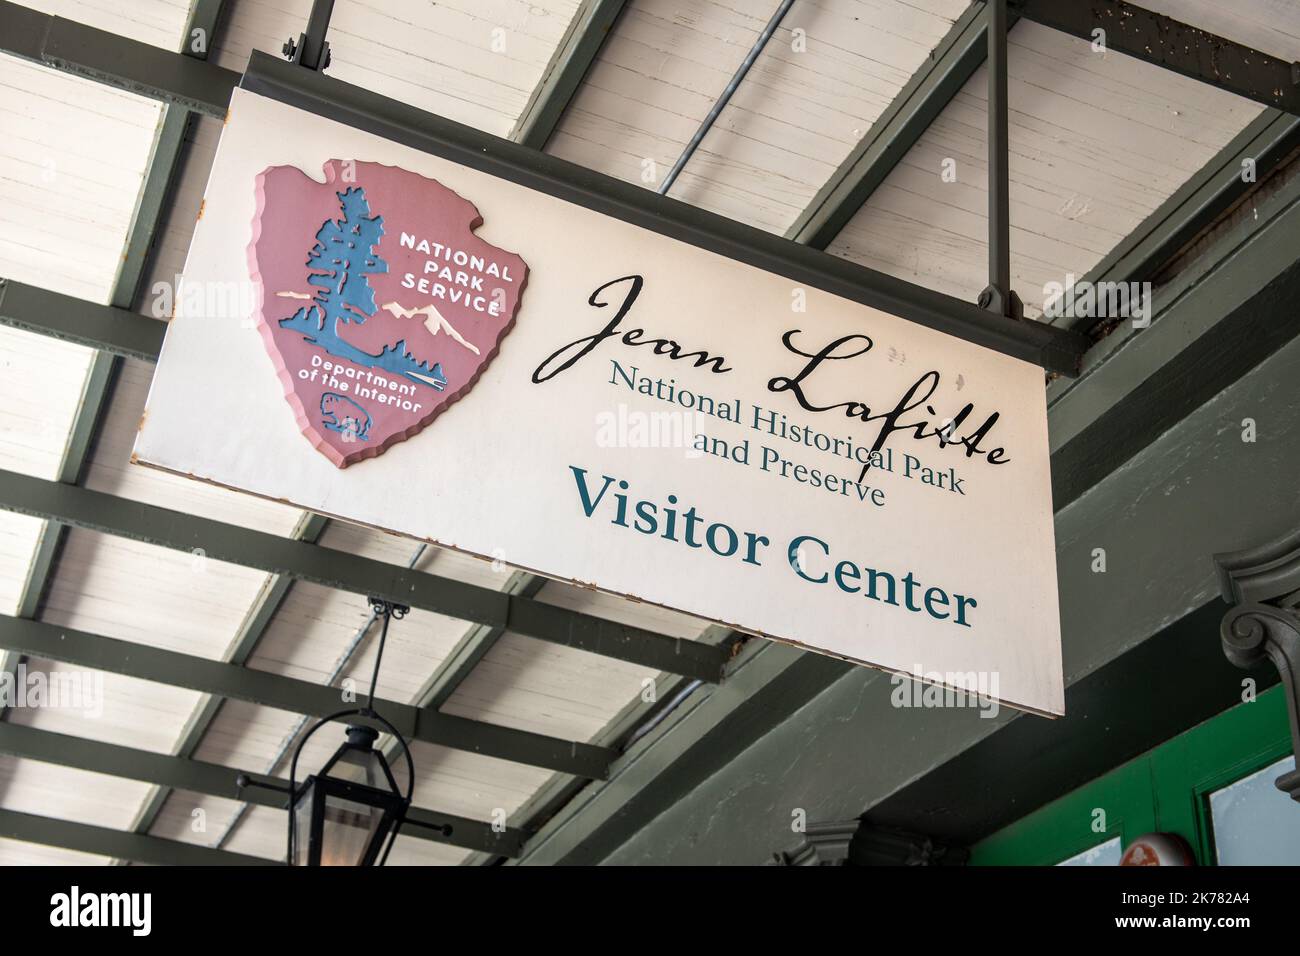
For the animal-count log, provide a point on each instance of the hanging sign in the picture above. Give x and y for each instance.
(385, 336)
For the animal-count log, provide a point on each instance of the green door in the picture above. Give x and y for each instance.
(1217, 776)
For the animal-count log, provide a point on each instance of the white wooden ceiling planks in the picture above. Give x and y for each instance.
(81, 796)
(1097, 141)
(1270, 26)
(74, 154)
(19, 537)
(17, 853)
(176, 228)
(197, 818)
(316, 633)
(807, 101)
(150, 595)
(111, 708)
(473, 61)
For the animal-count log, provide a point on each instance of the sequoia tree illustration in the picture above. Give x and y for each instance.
(343, 257)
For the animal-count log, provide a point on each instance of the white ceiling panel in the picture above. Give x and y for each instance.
(52, 791)
(17, 853)
(41, 381)
(1098, 141)
(19, 536)
(151, 595)
(315, 627)
(807, 101)
(246, 736)
(473, 61)
(1270, 26)
(262, 832)
(470, 785)
(108, 707)
(189, 817)
(548, 689)
(74, 154)
(176, 228)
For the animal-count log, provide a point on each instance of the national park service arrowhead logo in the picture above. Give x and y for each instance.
(377, 303)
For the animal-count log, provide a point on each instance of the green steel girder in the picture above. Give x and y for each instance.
(102, 841)
(1173, 45)
(215, 780)
(109, 514)
(951, 63)
(81, 649)
(69, 319)
(587, 31)
(114, 60)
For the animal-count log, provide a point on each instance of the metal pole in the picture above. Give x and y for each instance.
(722, 101)
(999, 297)
(999, 201)
(311, 50)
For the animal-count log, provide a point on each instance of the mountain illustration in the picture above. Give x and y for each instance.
(433, 321)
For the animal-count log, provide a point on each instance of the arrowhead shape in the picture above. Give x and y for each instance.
(377, 303)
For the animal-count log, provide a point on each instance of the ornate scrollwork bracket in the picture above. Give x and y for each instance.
(1264, 585)
(857, 843)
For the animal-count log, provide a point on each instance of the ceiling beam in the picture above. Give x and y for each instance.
(116, 61)
(143, 662)
(216, 780)
(102, 841)
(114, 330)
(578, 49)
(122, 517)
(950, 65)
(1173, 45)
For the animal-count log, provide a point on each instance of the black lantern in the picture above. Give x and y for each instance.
(349, 812)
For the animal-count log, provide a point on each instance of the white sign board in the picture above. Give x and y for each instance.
(659, 421)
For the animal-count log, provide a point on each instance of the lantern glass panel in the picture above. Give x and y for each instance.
(302, 816)
(349, 828)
